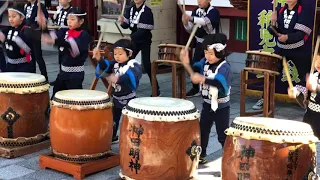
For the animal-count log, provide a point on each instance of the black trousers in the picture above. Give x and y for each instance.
(3, 63)
(198, 55)
(23, 67)
(221, 119)
(145, 49)
(312, 118)
(65, 82)
(37, 55)
(117, 112)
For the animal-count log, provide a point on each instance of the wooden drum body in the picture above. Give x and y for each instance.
(24, 98)
(268, 149)
(81, 125)
(159, 139)
(169, 52)
(264, 60)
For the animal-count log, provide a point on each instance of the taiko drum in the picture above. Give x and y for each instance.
(81, 125)
(159, 139)
(24, 98)
(268, 149)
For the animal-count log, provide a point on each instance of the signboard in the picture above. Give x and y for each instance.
(112, 8)
(259, 16)
(156, 2)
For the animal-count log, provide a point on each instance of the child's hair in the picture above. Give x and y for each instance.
(81, 14)
(126, 45)
(216, 39)
(18, 8)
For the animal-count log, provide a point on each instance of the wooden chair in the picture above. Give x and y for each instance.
(269, 81)
(178, 74)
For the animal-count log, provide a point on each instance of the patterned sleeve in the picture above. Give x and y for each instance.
(199, 65)
(302, 28)
(211, 21)
(104, 67)
(126, 22)
(146, 23)
(132, 76)
(190, 25)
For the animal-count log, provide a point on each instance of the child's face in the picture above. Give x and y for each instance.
(74, 22)
(210, 56)
(317, 63)
(290, 2)
(138, 1)
(64, 3)
(203, 3)
(120, 55)
(15, 19)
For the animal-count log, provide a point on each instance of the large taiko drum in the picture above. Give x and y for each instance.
(24, 98)
(169, 51)
(159, 139)
(81, 125)
(268, 149)
(264, 60)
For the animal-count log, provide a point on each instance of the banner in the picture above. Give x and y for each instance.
(259, 16)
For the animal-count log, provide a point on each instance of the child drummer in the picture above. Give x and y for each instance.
(215, 80)
(208, 19)
(124, 73)
(16, 43)
(310, 97)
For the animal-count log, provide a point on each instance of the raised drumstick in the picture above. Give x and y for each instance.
(316, 49)
(184, 6)
(286, 70)
(123, 7)
(274, 10)
(180, 7)
(187, 66)
(99, 42)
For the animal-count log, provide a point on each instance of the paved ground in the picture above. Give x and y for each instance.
(26, 167)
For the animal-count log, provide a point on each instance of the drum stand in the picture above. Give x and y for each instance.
(95, 80)
(79, 171)
(177, 71)
(269, 81)
(13, 152)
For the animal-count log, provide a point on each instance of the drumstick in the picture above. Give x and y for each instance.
(119, 29)
(286, 70)
(187, 66)
(274, 10)
(180, 7)
(123, 7)
(184, 6)
(316, 49)
(275, 31)
(39, 11)
(99, 42)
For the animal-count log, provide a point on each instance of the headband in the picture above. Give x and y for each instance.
(124, 48)
(11, 9)
(218, 47)
(73, 14)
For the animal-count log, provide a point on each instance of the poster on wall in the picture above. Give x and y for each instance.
(112, 8)
(260, 39)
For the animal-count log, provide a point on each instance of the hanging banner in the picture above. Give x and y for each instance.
(259, 17)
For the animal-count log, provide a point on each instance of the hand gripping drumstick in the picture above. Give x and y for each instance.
(316, 49)
(187, 66)
(286, 70)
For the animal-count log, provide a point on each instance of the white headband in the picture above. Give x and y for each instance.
(218, 46)
(11, 9)
(125, 48)
(73, 14)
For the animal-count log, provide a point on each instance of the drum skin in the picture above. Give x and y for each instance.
(31, 110)
(162, 151)
(262, 61)
(83, 132)
(264, 160)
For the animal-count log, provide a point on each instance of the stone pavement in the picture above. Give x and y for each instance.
(26, 167)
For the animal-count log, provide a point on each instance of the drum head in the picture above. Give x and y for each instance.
(21, 78)
(264, 54)
(161, 109)
(271, 129)
(81, 99)
(22, 83)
